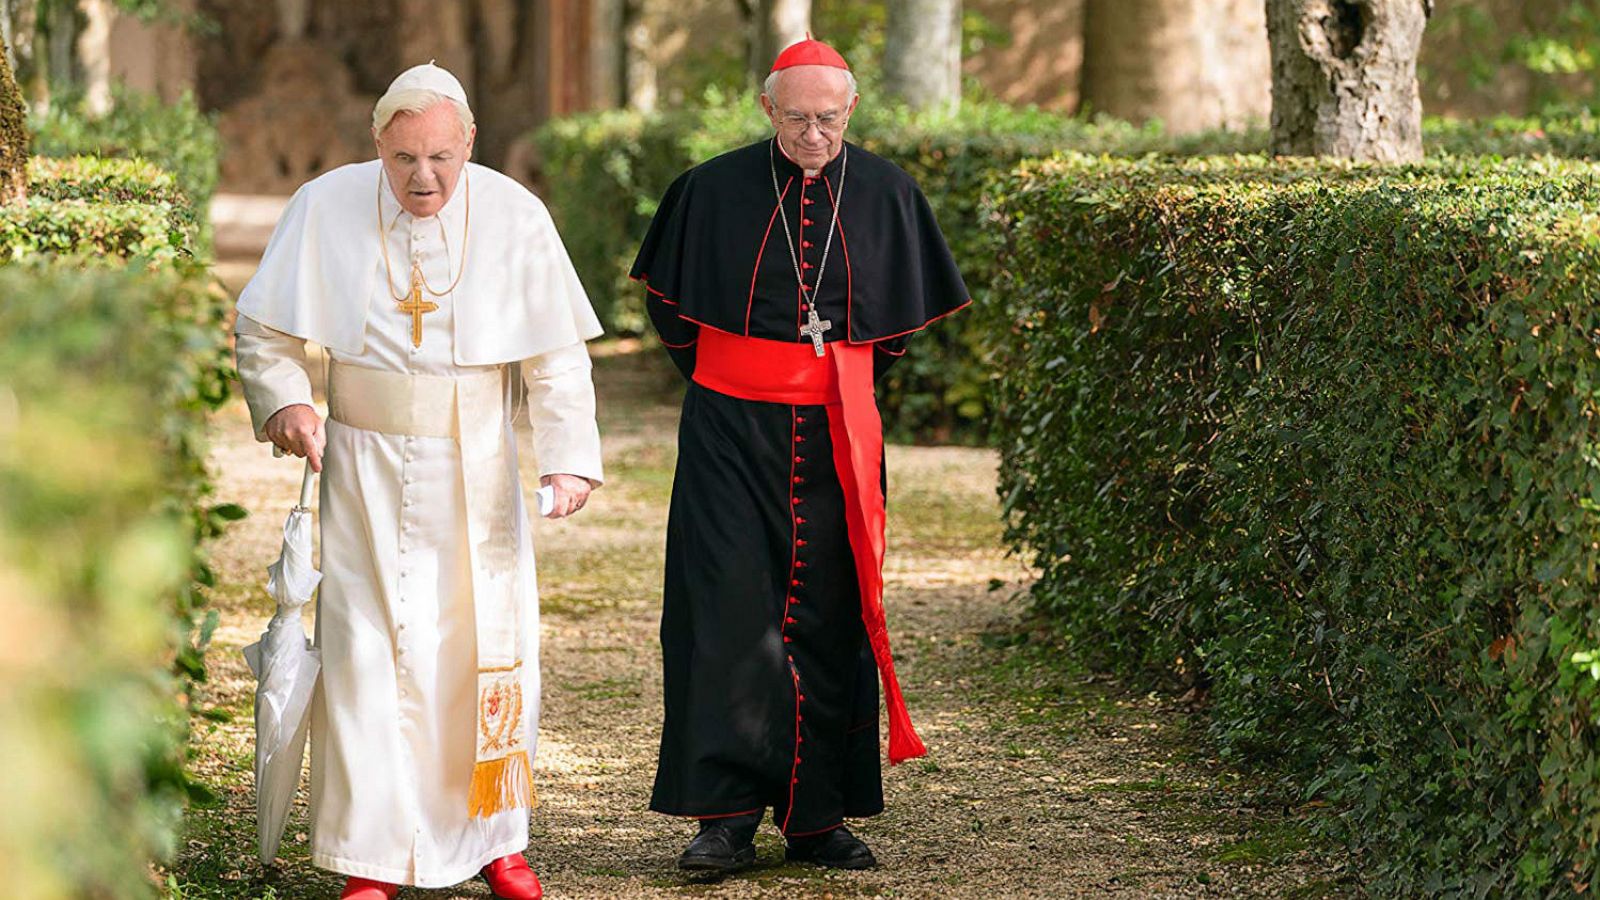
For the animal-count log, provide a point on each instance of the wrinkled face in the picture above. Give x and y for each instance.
(423, 155)
(810, 108)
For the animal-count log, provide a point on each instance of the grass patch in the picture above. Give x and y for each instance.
(1268, 842)
(606, 689)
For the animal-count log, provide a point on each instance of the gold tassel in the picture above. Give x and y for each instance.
(501, 784)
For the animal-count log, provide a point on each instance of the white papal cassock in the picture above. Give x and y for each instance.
(395, 716)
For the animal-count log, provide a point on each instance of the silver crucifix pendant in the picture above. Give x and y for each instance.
(815, 328)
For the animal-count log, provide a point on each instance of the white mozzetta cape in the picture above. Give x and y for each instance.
(323, 270)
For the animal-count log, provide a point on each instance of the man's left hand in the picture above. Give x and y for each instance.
(571, 493)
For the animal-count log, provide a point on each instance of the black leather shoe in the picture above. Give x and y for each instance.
(836, 849)
(718, 850)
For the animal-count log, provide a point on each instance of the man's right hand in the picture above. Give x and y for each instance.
(298, 429)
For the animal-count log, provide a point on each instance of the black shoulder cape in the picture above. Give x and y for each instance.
(716, 246)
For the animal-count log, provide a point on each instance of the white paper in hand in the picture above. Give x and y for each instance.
(546, 498)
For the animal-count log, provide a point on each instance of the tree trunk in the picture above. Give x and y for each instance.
(7, 39)
(293, 17)
(14, 141)
(1344, 78)
(922, 53)
(775, 24)
(63, 38)
(24, 43)
(1191, 64)
(94, 54)
(640, 81)
(607, 55)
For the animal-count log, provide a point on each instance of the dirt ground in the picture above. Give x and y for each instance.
(1041, 781)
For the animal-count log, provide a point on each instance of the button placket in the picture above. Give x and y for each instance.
(406, 538)
(796, 480)
(404, 669)
(801, 238)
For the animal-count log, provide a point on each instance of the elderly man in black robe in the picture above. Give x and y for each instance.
(783, 278)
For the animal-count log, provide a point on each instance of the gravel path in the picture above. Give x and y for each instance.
(1041, 781)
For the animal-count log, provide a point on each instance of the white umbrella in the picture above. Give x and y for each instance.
(286, 666)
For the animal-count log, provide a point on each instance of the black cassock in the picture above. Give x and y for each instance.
(771, 686)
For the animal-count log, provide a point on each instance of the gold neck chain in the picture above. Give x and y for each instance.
(417, 278)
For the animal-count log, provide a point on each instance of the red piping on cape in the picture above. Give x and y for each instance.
(645, 280)
(650, 290)
(708, 325)
(792, 373)
(756, 270)
(942, 315)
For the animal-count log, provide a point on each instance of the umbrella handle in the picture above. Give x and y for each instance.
(306, 486)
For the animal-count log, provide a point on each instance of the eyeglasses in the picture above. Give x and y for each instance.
(827, 123)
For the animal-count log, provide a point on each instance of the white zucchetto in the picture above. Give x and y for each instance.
(429, 77)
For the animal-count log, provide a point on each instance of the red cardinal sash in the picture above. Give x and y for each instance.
(841, 379)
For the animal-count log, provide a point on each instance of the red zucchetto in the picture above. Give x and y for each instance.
(809, 52)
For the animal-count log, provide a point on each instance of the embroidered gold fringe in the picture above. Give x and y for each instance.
(501, 784)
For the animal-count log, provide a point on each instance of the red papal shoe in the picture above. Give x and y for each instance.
(366, 889)
(510, 879)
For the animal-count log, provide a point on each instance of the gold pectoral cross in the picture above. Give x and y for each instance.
(415, 306)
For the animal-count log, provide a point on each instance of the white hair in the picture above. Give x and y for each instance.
(415, 100)
(771, 83)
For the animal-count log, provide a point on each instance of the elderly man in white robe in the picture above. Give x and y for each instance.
(423, 276)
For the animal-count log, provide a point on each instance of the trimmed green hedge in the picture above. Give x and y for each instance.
(1572, 137)
(1325, 441)
(105, 380)
(100, 180)
(178, 138)
(112, 208)
(107, 372)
